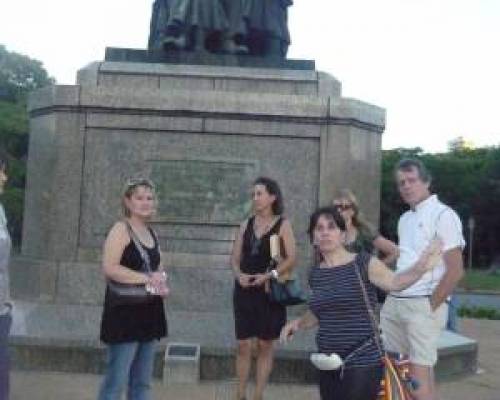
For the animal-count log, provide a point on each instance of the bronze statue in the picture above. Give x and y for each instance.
(195, 24)
(256, 27)
(158, 24)
(266, 23)
(235, 36)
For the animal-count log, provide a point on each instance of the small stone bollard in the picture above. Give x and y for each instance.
(182, 363)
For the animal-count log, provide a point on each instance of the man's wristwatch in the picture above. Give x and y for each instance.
(274, 274)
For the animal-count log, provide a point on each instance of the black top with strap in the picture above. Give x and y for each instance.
(139, 322)
(256, 252)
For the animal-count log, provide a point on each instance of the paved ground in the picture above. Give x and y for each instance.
(482, 386)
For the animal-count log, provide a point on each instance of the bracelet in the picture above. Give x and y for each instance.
(274, 273)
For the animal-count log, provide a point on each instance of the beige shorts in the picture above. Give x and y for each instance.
(410, 327)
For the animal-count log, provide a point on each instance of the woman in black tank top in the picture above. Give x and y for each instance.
(254, 315)
(131, 331)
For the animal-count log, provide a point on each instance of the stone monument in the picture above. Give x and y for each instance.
(203, 126)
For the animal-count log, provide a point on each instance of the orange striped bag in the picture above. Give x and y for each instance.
(394, 384)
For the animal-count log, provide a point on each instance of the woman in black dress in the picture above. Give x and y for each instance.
(131, 331)
(255, 316)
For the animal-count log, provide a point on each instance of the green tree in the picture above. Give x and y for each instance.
(19, 75)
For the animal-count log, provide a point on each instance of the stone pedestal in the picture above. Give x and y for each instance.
(203, 134)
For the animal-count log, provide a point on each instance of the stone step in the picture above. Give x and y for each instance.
(65, 339)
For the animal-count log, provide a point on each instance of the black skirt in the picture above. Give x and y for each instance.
(255, 315)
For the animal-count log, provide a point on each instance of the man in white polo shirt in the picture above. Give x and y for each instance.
(412, 319)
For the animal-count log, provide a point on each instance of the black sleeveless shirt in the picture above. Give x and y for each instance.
(132, 323)
(256, 252)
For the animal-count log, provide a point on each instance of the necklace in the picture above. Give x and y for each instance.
(266, 227)
(257, 240)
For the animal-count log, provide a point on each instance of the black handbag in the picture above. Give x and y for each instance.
(120, 294)
(287, 293)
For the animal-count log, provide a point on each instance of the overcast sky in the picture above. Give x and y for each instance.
(433, 64)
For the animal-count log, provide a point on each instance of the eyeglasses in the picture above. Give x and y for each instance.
(133, 182)
(343, 207)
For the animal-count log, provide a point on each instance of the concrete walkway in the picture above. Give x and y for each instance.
(57, 386)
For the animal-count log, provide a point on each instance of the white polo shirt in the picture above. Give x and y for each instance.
(416, 229)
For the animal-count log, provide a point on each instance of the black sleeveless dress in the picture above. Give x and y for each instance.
(140, 322)
(254, 314)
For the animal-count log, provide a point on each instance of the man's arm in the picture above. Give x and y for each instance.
(454, 264)
(449, 229)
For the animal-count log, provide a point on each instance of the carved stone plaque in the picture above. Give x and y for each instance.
(203, 191)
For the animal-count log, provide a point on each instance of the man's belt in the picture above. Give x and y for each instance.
(418, 296)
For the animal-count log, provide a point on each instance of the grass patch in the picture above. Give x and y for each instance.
(480, 280)
(479, 312)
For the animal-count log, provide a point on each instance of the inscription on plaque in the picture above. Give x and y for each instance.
(203, 191)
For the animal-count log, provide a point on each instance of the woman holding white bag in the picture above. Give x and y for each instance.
(337, 307)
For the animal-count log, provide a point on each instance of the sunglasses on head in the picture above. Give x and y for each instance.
(133, 182)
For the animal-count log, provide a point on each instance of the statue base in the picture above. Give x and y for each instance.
(204, 58)
(64, 338)
(202, 133)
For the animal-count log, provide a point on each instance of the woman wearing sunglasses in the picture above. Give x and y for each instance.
(360, 235)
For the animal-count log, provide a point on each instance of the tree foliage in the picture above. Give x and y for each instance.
(19, 75)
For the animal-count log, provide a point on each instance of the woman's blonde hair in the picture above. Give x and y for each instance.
(358, 219)
(129, 189)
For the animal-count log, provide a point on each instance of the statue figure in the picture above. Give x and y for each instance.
(235, 36)
(159, 20)
(194, 25)
(266, 24)
(256, 27)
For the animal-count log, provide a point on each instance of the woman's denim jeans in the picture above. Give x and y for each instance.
(129, 365)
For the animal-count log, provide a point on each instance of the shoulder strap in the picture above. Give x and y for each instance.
(146, 262)
(155, 237)
(369, 308)
(362, 260)
(275, 226)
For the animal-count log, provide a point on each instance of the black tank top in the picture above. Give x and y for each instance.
(132, 323)
(256, 252)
